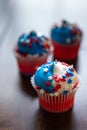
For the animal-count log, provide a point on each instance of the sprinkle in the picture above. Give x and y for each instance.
(45, 69)
(68, 40)
(57, 79)
(36, 40)
(47, 84)
(29, 45)
(73, 69)
(62, 79)
(69, 71)
(69, 81)
(31, 39)
(64, 76)
(24, 44)
(76, 84)
(63, 63)
(27, 41)
(21, 40)
(64, 23)
(47, 91)
(67, 74)
(50, 78)
(74, 30)
(37, 87)
(57, 87)
(65, 92)
(55, 76)
(71, 66)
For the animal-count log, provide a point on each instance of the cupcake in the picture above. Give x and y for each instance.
(55, 84)
(66, 40)
(31, 51)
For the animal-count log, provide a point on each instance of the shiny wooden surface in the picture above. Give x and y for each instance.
(19, 108)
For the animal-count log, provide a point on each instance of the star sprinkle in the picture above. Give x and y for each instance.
(45, 69)
(57, 87)
(50, 78)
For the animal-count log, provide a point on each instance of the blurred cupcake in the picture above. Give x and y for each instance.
(31, 51)
(55, 84)
(66, 40)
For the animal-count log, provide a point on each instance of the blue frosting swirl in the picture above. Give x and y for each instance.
(41, 77)
(66, 33)
(32, 44)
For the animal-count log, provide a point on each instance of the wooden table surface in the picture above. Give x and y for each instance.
(19, 108)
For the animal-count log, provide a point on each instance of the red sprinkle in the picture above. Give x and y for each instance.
(47, 84)
(57, 79)
(55, 76)
(29, 45)
(73, 69)
(23, 43)
(37, 87)
(67, 74)
(62, 79)
(74, 31)
(57, 87)
(75, 84)
(63, 63)
(36, 40)
(47, 91)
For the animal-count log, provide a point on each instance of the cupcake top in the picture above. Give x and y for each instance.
(55, 78)
(66, 33)
(33, 44)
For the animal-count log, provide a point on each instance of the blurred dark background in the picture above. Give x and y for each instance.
(19, 16)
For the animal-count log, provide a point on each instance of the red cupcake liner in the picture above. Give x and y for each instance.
(56, 104)
(28, 64)
(66, 52)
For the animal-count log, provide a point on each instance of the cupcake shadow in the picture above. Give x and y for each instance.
(26, 86)
(54, 121)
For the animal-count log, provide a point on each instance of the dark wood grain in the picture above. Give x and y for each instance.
(19, 107)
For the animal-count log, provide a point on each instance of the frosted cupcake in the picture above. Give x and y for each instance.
(31, 51)
(55, 84)
(66, 40)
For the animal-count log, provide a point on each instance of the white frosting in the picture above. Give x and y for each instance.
(60, 70)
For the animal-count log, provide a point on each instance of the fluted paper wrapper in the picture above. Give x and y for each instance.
(59, 103)
(54, 103)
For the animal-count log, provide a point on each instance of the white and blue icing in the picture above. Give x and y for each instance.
(66, 33)
(32, 44)
(56, 77)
